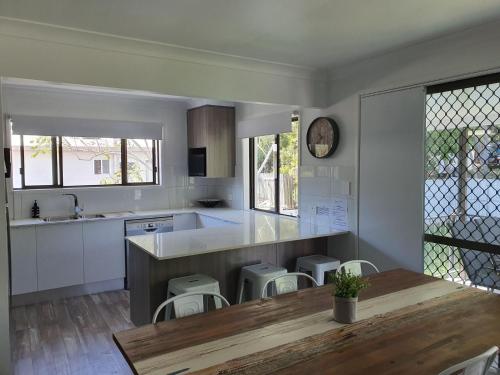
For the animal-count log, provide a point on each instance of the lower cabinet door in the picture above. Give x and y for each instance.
(104, 250)
(59, 255)
(23, 260)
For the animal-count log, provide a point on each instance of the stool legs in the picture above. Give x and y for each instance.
(168, 308)
(257, 286)
(217, 301)
(241, 288)
(319, 275)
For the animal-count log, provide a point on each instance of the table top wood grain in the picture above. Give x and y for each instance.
(409, 323)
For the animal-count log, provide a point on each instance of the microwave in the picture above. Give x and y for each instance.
(197, 162)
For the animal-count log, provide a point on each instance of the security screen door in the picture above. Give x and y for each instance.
(462, 186)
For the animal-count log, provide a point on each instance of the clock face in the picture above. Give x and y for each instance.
(322, 137)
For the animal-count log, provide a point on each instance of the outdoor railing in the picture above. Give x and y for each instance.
(467, 252)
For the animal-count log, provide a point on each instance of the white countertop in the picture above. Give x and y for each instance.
(247, 228)
(125, 215)
(251, 228)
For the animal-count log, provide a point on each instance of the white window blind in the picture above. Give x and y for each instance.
(78, 127)
(275, 123)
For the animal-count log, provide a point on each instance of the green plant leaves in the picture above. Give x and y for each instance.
(347, 285)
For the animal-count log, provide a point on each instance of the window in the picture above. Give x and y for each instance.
(97, 167)
(45, 161)
(140, 153)
(265, 172)
(82, 161)
(101, 166)
(36, 157)
(274, 161)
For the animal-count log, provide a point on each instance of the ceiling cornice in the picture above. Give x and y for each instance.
(83, 38)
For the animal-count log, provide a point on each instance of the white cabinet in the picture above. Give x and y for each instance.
(59, 250)
(23, 260)
(184, 221)
(104, 250)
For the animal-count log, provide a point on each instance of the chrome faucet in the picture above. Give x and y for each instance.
(77, 208)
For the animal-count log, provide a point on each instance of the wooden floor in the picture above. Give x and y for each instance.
(71, 335)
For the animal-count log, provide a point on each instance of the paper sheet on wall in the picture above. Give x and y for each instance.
(339, 213)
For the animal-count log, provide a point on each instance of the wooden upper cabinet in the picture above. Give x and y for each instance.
(213, 128)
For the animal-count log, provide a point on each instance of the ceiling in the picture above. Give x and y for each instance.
(311, 33)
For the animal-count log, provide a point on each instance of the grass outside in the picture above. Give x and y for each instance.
(442, 260)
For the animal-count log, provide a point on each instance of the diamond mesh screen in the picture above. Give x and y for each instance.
(462, 200)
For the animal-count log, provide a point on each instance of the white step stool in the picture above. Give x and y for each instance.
(191, 283)
(317, 265)
(257, 275)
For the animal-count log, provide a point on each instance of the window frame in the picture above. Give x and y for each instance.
(155, 159)
(276, 178)
(58, 161)
(22, 170)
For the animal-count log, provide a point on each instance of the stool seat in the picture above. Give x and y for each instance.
(317, 264)
(193, 283)
(264, 270)
(188, 284)
(257, 275)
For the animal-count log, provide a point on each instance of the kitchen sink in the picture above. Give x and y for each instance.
(56, 219)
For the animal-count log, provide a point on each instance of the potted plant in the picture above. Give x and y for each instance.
(345, 296)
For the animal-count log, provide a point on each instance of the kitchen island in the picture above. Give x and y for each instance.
(242, 238)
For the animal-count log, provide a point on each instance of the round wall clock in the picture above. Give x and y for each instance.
(322, 137)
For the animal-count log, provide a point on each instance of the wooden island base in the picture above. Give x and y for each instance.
(148, 277)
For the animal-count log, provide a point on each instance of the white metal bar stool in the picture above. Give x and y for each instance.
(287, 283)
(257, 275)
(187, 309)
(189, 284)
(478, 365)
(317, 265)
(354, 267)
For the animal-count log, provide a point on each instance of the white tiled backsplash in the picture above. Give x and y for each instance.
(319, 186)
(114, 199)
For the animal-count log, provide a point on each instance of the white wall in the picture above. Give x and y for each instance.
(322, 180)
(177, 190)
(471, 52)
(57, 54)
(5, 354)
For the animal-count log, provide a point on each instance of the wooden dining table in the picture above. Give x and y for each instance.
(408, 323)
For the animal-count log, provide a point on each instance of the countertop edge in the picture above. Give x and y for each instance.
(334, 233)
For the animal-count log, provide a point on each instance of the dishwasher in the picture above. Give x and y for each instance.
(139, 227)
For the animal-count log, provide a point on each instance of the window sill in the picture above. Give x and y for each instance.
(274, 213)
